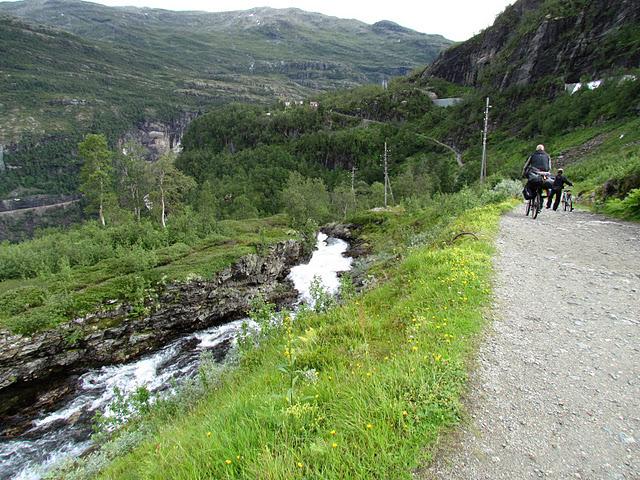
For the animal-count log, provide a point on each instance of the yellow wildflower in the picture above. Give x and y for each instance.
(300, 464)
(334, 445)
(369, 426)
(227, 461)
(333, 432)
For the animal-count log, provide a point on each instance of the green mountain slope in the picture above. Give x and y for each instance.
(261, 39)
(87, 67)
(198, 58)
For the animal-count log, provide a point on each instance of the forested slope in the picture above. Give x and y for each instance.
(71, 68)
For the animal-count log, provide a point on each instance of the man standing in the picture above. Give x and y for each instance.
(556, 189)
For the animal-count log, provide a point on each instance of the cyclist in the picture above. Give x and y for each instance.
(539, 162)
(556, 190)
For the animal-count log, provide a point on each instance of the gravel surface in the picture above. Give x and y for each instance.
(556, 391)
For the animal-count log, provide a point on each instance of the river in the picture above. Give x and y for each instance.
(65, 432)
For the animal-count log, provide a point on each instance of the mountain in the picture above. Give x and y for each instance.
(192, 58)
(534, 40)
(70, 67)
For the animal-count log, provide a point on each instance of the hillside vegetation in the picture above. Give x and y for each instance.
(363, 386)
(352, 390)
(70, 68)
(252, 161)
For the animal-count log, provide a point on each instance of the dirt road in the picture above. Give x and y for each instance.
(556, 391)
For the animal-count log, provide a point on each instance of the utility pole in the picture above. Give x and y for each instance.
(483, 165)
(2, 166)
(386, 174)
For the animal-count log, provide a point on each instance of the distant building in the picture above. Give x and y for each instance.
(287, 104)
(314, 104)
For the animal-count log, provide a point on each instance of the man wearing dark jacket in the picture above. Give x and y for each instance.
(539, 161)
(556, 190)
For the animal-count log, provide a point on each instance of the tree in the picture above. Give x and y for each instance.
(95, 175)
(170, 185)
(343, 200)
(131, 177)
(305, 199)
(376, 194)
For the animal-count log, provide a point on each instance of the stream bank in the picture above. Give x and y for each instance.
(53, 435)
(37, 371)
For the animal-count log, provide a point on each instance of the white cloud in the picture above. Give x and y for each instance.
(455, 19)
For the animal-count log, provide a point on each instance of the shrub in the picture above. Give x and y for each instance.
(21, 299)
(133, 259)
(131, 288)
(503, 190)
(38, 319)
(628, 208)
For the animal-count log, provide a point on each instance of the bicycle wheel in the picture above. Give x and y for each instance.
(537, 205)
(570, 203)
(528, 208)
(564, 201)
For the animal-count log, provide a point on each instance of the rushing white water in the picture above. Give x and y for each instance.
(325, 263)
(64, 433)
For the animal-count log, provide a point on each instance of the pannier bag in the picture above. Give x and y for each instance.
(528, 193)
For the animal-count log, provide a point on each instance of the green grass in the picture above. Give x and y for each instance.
(616, 158)
(33, 304)
(391, 368)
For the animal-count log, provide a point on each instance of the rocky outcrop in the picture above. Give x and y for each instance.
(350, 233)
(159, 137)
(116, 335)
(534, 39)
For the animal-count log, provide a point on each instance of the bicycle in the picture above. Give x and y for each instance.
(534, 205)
(567, 200)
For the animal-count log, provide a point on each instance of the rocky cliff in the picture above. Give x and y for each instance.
(33, 367)
(159, 137)
(534, 39)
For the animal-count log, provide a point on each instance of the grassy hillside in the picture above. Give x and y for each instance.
(252, 41)
(124, 57)
(63, 275)
(377, 379)
(69, 67)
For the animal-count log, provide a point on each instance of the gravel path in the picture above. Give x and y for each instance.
(556, 392)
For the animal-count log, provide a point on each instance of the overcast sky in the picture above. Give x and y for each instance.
(455, 19)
